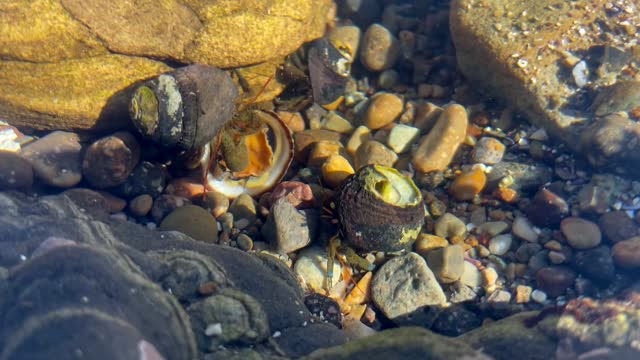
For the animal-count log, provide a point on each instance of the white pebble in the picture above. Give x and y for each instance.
(213, 329)
(539, 296)
(523, 229)
(580, 74)
(276, 334)
(499, 245)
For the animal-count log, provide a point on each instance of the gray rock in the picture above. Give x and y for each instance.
(580, 233)
(595, 264)
(446, 263)
(617, 226)
(488, 151)
(448, 226)
(404, 284)
(15, 171)
(288, 229)
(146, 178)
(56, 158)
(524, 176)
(243, 207)
(455, 321)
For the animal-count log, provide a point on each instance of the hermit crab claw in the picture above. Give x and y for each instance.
(255, 152)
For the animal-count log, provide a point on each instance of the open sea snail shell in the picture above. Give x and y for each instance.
(185, 108)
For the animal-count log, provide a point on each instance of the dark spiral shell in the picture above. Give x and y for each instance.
(185, 108)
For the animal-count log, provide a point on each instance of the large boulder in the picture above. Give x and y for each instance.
(530, 54)
(67, 64)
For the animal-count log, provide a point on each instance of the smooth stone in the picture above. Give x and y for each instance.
(165, 204)
(471, 276)
(374, 152)
(379, 48)
(524, 176)
(141, 205)
(293, 120)
(388, 79)
(193, 221)
(555, 280)
(593, 198)
(245, 242)
(467, 185)
(346, 35)
(617, 226)
(311, 267)
(243, 207)
(287, 229)
(359, 136)
(499, 296)
(382, 110)
(448, 226)
(147, 178)
(538, 296)
(427, 242)
(437, 148)
(626, 253)
(595, 264)
(401, 137)
(547, 209)
(446, 263)
(526, 251)
(426, 116)
(537, 261)
(489, 279)
(581, 233)
(88, 200)
(189, 188)
(299, 194)
(56, 158)
(488, 151)
(493, 228)
(15, 171)
(333, 121)
(500, 244)
(335, 170)
(405, 284)
(216, 203)
(523, 229)
(110, 160)
(305, 140)
(322, 150)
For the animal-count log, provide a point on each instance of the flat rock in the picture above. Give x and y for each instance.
(15, 171)
(288, 229)
(56, 158)
(527, 71)
(404, 284)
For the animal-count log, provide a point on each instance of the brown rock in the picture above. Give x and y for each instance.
(304, 141)
(580, 233)
(109, 160)
(555, 280)
(141, 205)
(193, 221)
(618, 226)
(626, 253)
(437, 148)
(15, 171)
(383, 109)
(56, 158)
(374, 152)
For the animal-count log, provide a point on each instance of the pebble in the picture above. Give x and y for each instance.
(488, 151)
(556, 257)
(547, 209)
(216, 203)
(383, 109)
(305, 140)
(426, 116)
(335, 170)
(146, 178)
(322, 150)
(141, 205)
(287, 229)
(523, 294)
(388, 79)
(193, 221)
(164, 204)
(437, 208)
(293, 120)
(526, 250)
(15, 171)
(348, 36)
(538, 260)
(243, 207)
(226, 222)
(448, 226)
(499, 296)
(428, 242)
(617, 226)
(244, 242)
(110, 160)
(447, 263)
(626, 253)
(405, 284)
(359, 136)
(523, 229)
(437, 148)
(401, 137)
(379, 49)
(56, 158)
(500, 244)
(187, 188)
(581, 233)
(299, 194)
(539, 296)
(311, 267)
(333, 121)
(595, 264)
(114, 204)
(471, 276)
(467, 185)
(489, 279)
(523, 176)
(374, 152)
(493, 228)
(555, 280)
(594, 199)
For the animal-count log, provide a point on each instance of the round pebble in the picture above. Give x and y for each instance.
(555, 280)
(311, 267)
(244, 242)
(186, 188)
(468, 185)
(523, 229)
(538, 296)
(141, 205)
(164, 204)
(193, 221)
(15, 171)
(294, 121)
(449, 226)
(488, 151)
(110, 160)
(335, 170)
(500, 244)
(243, 207)
(379, 49)
(547, 208)
(626, 253)
(215, 202)
(321, 151)
(56, 158)
(580, 233)
(617, 226)
(374, 152)
(383, 109)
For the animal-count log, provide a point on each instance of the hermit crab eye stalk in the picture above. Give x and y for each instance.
(185, 108)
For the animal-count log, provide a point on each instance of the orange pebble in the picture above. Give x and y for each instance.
(468, 185)
(506, 194)
(474, 130)
(185, 187)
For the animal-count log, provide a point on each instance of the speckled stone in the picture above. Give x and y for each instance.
(488, 151)
(110, 160)
(466, 186)
(56, 158)
(379, 49)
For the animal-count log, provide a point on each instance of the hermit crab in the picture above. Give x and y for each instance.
(378, 209)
